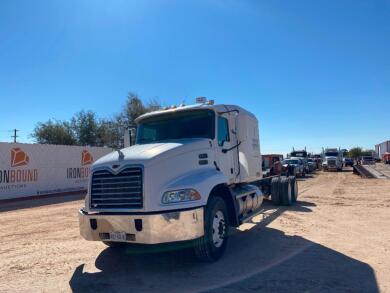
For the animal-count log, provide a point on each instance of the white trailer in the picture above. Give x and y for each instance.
(382, 148)
(193, 172)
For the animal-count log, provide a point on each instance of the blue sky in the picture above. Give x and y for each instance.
(315, 73)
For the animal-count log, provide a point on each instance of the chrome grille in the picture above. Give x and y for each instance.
(117, 191)
(331, 163)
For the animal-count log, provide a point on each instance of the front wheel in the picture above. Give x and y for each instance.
(212, 245)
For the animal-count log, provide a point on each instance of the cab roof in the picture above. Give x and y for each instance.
(220, 108)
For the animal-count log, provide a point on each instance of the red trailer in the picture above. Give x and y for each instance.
(273, 162)
(386, 158)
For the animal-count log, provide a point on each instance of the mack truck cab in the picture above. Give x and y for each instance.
(193, 172)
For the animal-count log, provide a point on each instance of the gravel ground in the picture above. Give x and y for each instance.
(336, 239)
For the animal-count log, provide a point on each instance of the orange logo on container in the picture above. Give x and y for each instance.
(18, 157)
(86, 158)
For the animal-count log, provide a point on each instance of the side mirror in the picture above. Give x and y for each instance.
(133, 133)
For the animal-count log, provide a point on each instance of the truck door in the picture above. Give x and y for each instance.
(225, 148)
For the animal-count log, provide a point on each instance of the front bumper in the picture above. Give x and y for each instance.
(144, 228)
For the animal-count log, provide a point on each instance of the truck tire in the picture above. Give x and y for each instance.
(286, 196)
(213, 244)
(275, 190)
(294, 188)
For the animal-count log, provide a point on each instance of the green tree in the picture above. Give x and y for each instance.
(368, 152)
(54, 132)
(109, 133)
(134, 108)
(355, 152)
(85, 126)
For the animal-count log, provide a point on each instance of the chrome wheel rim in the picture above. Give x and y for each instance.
(219, 229)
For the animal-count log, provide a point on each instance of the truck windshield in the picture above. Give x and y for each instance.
(186, 124)
(331, 154)
(299, 154)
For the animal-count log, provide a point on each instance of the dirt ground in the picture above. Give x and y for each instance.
(336, 239)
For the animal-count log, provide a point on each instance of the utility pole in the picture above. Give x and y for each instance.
(14, 136)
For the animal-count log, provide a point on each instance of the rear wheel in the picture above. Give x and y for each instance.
(286, 198)
(212, 245)
(275, 190)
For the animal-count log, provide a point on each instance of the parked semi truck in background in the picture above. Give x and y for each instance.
(332, 159)
(193, 172)
(303, 156)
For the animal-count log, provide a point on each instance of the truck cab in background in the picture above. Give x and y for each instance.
(318, 160)
(348, 162)
(332, 159)
(303, 156)
(294, 167)
(193, 172)
(367, 160)
(311, 164)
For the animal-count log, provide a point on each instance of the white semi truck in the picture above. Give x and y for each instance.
(193, 172)
(332, 159)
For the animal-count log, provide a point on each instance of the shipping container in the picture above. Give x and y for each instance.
(382, 148)
(42, 169)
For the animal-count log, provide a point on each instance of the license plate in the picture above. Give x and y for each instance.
(117, 236)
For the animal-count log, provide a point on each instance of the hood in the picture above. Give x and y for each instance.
(146, 153)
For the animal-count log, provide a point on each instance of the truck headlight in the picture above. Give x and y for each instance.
(180, 196)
